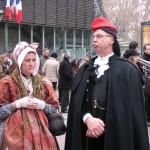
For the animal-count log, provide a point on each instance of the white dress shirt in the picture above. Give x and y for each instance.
(102, 62)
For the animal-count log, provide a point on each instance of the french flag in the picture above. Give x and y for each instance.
(13, 7)
(16, 8)
(7, 9)
(18, 11)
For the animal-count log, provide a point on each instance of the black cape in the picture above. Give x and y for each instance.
(125, 127)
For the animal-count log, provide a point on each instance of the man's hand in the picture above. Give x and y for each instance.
(95, 127)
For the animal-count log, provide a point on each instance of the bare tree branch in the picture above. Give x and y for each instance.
(127, 15)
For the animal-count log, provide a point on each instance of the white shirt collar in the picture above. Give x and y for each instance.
(102, 60)
(103, 64)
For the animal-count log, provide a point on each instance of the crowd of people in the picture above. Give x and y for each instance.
(107, 97)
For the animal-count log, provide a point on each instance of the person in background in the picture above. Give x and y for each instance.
(88, 57)
(43, 59)
(146, 75)
(106, 110)
(134, 45)
(84, 61)
(65, 80)
(51, 68)
(14, 64)
(75, 65)
(7, 64)
(25, 100)
(2, 74)
(132, 56)
(62, 57)
(146, 52)
(11, 54)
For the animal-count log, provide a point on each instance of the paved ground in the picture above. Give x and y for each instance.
(61, 139)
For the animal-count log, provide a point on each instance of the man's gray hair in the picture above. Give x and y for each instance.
(67, 55)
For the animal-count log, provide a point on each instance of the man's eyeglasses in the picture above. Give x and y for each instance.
(147, 48)
(101, 36)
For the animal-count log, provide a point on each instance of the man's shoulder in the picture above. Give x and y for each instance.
(52, 61)
(122, 61)
(123, 65)
(41, 57)
(65, 62)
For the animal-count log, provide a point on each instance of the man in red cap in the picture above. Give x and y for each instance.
(106, 109)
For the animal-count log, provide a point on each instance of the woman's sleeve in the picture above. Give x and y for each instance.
(51, 96)
(49, 109)
(5, 111)
(6, 107)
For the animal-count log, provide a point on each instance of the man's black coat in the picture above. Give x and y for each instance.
(66, 75)
(125, 127)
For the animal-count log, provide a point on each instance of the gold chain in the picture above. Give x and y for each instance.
(96, 105)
